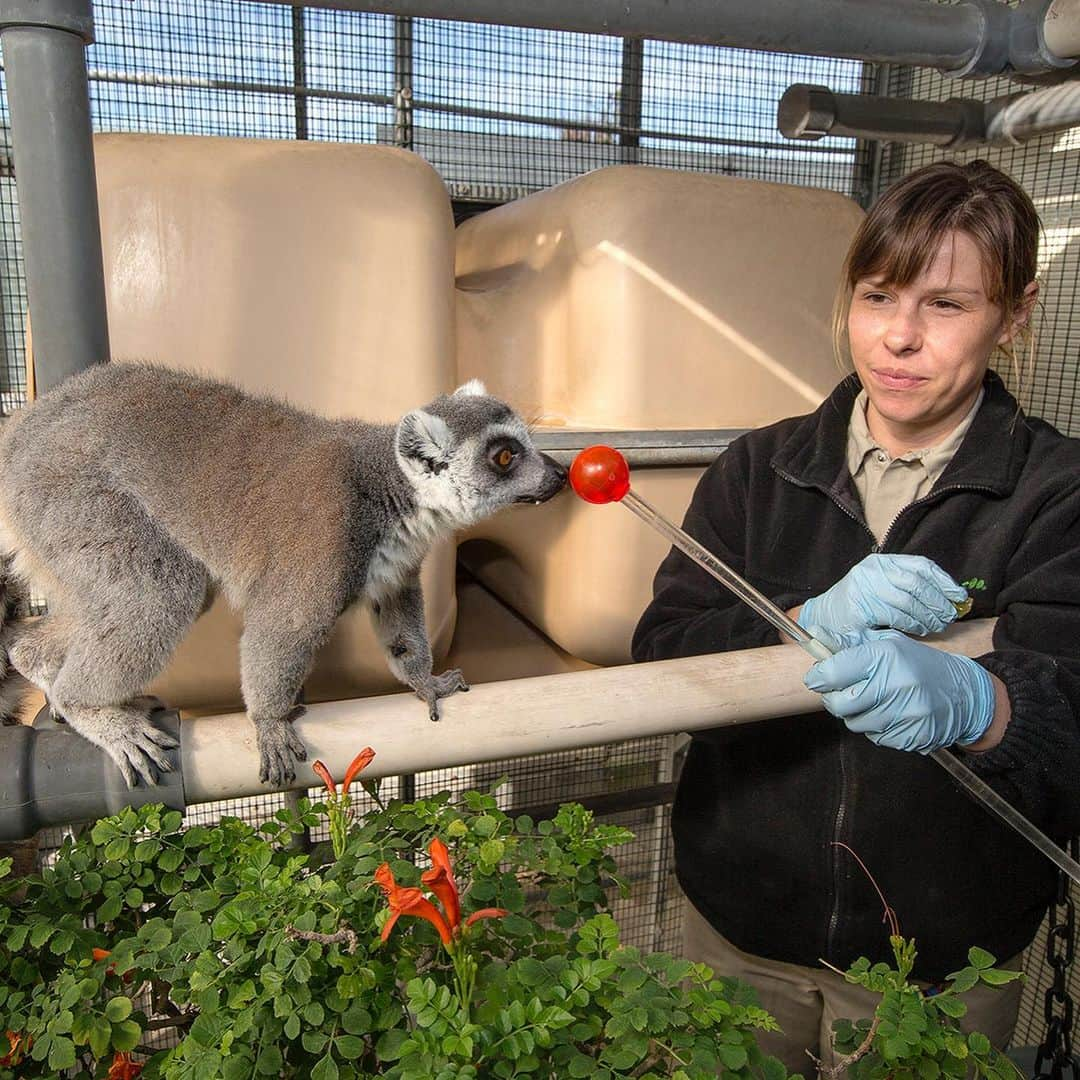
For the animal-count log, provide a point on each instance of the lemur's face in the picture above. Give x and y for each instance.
(469, 454)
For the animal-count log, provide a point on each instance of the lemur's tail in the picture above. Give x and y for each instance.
(13, 687)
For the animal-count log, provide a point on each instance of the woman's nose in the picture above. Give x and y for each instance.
(904, 330)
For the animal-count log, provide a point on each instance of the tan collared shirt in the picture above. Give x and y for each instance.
(886, 484)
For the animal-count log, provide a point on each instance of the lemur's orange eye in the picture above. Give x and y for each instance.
(504, 457)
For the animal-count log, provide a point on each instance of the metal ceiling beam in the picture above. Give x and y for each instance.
(973, 37)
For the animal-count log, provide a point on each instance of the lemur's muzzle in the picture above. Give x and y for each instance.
(553, 482)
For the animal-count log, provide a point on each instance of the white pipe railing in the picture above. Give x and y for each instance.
(514, 718)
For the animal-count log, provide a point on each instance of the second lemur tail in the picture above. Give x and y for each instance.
(13, 687)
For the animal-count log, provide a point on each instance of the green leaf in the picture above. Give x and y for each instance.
(356, 1020)
(61, 942)
(391, 1044)
(100, 1036)
(314, 1041)
(40, 934)
(980, 958)
(949, 1005)
(126, 1035)
(269, 1061)
(117, 849)
(325, 1069)
(61, 1054)
(996, 977)
(119, 1008)
(349, 1047)
(965, 980)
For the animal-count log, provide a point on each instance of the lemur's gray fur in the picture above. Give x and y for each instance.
(129, 492)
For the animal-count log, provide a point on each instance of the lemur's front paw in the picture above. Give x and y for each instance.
(440, 686)
(280, 748)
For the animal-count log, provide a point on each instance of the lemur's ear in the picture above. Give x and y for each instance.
(423, 441)
(473, 388)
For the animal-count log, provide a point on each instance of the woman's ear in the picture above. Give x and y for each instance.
(1021, 317)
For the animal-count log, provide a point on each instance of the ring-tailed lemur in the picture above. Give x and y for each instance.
(128, 492)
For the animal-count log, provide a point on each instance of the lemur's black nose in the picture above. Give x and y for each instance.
(556, 477)
(559, 470)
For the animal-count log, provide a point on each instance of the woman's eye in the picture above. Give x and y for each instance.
(875, 298)
(946, 305)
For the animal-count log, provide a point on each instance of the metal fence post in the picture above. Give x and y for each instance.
(44, 46)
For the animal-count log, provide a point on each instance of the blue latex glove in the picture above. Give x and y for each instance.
(905, 592)
(901, 693)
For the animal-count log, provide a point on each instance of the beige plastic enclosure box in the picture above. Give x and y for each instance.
(639, 298)
(319, 273)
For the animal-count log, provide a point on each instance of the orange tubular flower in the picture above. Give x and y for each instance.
(323, 773)
(408, 901)
(486, 913)
(358, 765)
(123, 1068)
(440, 880)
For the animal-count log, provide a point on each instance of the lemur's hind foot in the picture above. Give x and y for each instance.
(126, 734)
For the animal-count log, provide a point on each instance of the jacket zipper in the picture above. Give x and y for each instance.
(840, 816)
(931, 497)
(839, 820)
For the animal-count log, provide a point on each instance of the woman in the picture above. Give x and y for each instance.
(919, 472)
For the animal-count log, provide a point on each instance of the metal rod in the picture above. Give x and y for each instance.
(631, 97)
(445, 108)
(973, 784)
(300, 101)
(49, 102)
(403, 82)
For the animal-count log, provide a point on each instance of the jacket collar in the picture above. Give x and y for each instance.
(991, 455)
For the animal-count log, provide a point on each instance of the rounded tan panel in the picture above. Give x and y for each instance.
(315, 272)
(639, 298)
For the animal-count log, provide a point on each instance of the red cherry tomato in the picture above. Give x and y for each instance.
(599, 474)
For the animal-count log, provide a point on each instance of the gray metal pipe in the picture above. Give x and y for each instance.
(973, 37)
(51, 776)
(45, 65)
(810, 112)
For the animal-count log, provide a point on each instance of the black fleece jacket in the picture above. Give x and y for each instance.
(760, 806)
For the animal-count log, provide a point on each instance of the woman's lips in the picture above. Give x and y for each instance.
(896, 380)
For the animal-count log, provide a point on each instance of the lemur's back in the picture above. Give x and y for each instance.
(216, 468)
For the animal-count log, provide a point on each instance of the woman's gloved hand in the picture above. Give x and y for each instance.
(905, 592)
(902, 693)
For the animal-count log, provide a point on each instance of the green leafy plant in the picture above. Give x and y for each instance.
(434, 940)
(914, 1036)
(257, 960)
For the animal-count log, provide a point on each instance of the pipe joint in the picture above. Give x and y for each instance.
(991, 53)
(74, 16)
(1029, 53)
(49, 775)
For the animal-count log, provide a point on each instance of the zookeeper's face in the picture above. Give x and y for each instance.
(921, 350)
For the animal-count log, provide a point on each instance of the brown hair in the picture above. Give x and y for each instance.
(901, 234)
